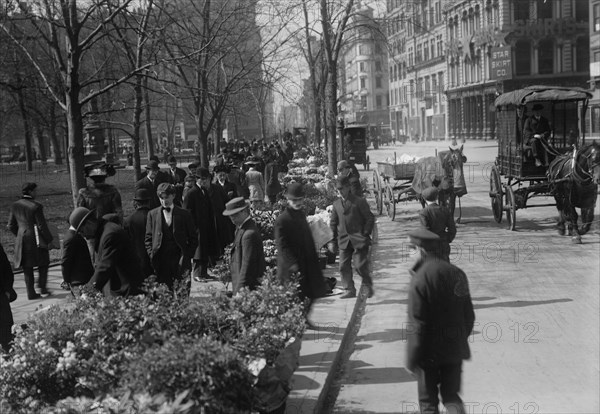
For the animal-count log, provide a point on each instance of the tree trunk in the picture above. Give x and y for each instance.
(218, 135)
(26, 129)
(202, 140)
(137, 126)
(75, 132)
(54, 136)
(331, 109)
(39, 132)
(148, 120)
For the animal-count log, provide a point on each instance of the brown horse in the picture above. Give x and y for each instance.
(574, 179)
(444, 172)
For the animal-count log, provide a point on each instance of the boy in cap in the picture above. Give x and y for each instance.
(348, 169)
(441, 318)
(247, 262)
(171, 238)
(536, 132)
(439, 220)
(352, 223)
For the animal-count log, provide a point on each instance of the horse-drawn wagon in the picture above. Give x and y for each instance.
(560, 161)
(405, 180)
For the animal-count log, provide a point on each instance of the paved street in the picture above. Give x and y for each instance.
(535, 344)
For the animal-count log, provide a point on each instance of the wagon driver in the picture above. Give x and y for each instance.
(536, 133)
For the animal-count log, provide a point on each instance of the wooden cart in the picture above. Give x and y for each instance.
(393, 184)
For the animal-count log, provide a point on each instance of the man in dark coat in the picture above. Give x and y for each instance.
(115, 273)
(296, 249)
(27, 222)
(223, 180)
(170, 238)
(536, 132)
(348, 169)
(272, 170)
(198, 203)
(352, 223)
(441, 318)
(178, 179)
(76, 264)
(247, 263)
(151, 181)
(7, 295)
(135, 225)
(438, 220)
(224, 228)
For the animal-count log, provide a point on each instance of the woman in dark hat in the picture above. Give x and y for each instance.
(100, 196)
(27, 222)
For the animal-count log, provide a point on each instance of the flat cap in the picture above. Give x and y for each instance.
(424, 238)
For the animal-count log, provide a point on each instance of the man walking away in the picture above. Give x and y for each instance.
(438, 219)
(441, 318)
(76, 265)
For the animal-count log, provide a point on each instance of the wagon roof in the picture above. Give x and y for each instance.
(542, 93)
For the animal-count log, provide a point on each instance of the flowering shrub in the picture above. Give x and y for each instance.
(158, 343)
(270, 250)
(265, 219)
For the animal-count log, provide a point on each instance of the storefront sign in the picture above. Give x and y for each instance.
(500, 63)
(546, 27)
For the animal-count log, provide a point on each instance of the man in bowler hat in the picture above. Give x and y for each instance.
(296, 250)
(441, 318)
(439, 220)
(170, 239)
(247, 255)
(352, 223)
(76, 264)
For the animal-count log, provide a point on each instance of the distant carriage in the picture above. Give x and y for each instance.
(526, 179)
(405, 181)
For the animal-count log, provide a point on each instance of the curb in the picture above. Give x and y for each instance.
(348, 339)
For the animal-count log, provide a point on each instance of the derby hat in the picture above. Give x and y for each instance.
(235, 206)
(203, 173)
(537, 107)
(295, 191)
(27, 188)
(153, 165)
(142, 194)
(430, 194)
(79, 216)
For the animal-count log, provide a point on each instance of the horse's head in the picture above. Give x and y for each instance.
(454, 161)
(594, 162)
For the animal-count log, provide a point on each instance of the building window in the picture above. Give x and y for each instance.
(544, 9)
(432, 47)
(378, 101)
(438, 12)
(441, 81)
(425, 51)
(582, 58)
(363, 83)
(546, 57)
(361, 66)
(521, 9)
(582, 13)
(363, 102)
(596, 17)
(522, 58)
(440, 46)
(595, 113)
(378, 82)
(378, 66)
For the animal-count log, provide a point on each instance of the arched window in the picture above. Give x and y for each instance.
(523, 58)
(546, 57)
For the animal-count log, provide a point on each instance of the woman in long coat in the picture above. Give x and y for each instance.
(31, 250)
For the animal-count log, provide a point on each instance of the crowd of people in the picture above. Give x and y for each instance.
(183, 221)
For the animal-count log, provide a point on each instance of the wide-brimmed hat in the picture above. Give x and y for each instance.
(295, 191)
(79, 216)
(430, 194)
(142, 194)
(153, 165)
(537, 107)
(235, 206)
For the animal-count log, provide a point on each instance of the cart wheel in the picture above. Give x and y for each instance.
(377, 191)
(510, 207)
(496, 194)
(391, 205)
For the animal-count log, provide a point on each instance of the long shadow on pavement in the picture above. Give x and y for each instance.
(520, 303)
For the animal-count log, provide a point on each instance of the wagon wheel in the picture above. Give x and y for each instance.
(391, 203)
(496, 194)
(378, 193)
(510, 207)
